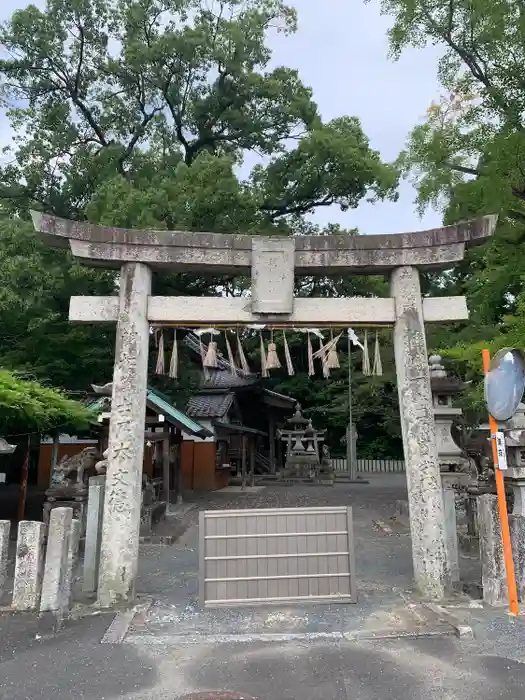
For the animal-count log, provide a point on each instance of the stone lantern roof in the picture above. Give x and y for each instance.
(440, 382)
(6, 448)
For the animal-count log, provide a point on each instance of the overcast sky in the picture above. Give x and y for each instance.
(341, 52)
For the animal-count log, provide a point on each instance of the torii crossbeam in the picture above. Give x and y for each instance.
(272, 263)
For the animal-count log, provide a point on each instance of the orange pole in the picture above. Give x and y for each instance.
(502, 506)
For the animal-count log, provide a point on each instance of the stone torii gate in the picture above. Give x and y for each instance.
(272, 263)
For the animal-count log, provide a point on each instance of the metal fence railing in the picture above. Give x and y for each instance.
(371, 466)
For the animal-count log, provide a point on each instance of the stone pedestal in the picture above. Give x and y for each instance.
(74, 497)
(53, 587)
(419, 438)
(95, 511)
(493, 576)
(120, 530)
(29, 566)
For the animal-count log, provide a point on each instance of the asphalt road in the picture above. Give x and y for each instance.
(75, 665)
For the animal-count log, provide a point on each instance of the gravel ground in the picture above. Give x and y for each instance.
(169, 575)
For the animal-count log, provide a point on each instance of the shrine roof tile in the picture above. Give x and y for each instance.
(209, 405)
(222, 379)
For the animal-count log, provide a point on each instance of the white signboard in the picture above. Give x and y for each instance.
(501, 449)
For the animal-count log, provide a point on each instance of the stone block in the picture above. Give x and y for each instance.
(5, 528)
(53, 586)
(493, 574)
(517, 534)
(95, 512)
(28, 565)
(451, 533)
(72, 560)
(273, 275)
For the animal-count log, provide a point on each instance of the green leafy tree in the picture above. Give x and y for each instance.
(138, 113)
(467, 159)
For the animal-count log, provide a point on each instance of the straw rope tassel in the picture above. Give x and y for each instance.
(231, 358)
(288, 356)
(210, 360)
(174, 362)
(366, 357)
(324, 359)
(332, 360)
(311, 368)
(264, 368)
(159, 368)
(242, 357)
(272, 358)
(378, 365)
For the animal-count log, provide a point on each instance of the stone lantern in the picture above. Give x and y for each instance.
(453, 465)
(514, 430)
(303, 459)
(5, 449)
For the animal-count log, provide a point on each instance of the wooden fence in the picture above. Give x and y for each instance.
(371, 466)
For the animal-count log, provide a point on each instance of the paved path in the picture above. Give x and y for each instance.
(176, 649)
(169, 576)
(75, 665)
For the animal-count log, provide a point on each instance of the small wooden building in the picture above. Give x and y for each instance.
(163, 434)
(243, 417)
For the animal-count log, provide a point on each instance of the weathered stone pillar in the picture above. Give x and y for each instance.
(29, 565)
(56, 560)
(493, 574)
(451, 532)
(95, 511)
(427, 526)
(517, 535)
(5, 528)
(120, 530)
(72, 560)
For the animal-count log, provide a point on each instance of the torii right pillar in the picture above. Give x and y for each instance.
(425, 497)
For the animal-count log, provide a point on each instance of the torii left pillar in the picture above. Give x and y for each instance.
(121, 523)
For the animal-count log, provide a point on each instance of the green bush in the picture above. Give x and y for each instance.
(26, 406)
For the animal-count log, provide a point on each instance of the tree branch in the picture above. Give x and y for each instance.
(277, 210)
